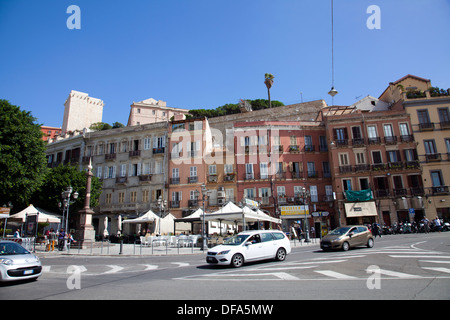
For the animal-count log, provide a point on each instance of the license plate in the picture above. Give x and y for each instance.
(209, 259)
(27, 272)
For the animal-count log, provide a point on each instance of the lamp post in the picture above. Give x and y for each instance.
(162, 205)
(205, 195)
(305, 195)
(65, 196)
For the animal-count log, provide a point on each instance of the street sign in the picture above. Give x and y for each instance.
(412, 211)
(320, 214)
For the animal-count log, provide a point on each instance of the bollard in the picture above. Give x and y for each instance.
(121, 247)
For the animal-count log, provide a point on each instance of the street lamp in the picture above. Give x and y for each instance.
(205, 196)
(162, 205)
(305, 195)
(65, 196)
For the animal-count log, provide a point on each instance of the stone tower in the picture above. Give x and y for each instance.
(81, 111)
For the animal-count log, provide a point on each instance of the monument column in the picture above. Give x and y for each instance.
(87, 232)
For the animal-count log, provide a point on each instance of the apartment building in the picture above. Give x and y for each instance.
(151, 111)
(130, 161)
(428, 108)
(276, 161)
(374, 151)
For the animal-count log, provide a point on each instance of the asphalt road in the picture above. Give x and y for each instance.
(415, 266)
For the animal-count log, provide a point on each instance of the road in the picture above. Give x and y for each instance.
(415, 266)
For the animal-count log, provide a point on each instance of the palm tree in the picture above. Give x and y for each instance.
(269, 82)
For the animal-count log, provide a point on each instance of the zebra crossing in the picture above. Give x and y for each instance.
(100, 269)
(344, 266)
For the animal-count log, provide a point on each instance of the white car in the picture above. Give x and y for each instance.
(250, 246)
(17, 263)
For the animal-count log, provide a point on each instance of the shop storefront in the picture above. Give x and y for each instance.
(361, 212)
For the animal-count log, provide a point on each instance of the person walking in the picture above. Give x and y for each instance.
(375, 230)
(61, 239)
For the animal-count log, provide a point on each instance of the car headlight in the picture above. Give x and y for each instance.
(223, 252)
(6, 261)
(338, 239)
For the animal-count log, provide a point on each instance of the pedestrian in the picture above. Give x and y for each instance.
(375, 230)
(299, 232)
(17, 233)
(61, 239)
(438, 225)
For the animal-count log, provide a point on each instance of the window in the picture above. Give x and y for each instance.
(249, 170)
(404, 130)
(388, 132)
(108, 198)
(281, 191)
(343, 159)
(147, 143)
(360, 158)
(372, 131)
(314, 194)
(393, 156)
(249, 193)
(411, 154)
(145, 196)
(311, 169)
(363, 183)
(193, 195)
(133, 196)
(308, 143)
(356, 132)
(447, 145)
(175, 172)
(444, 115)
(265, 237)
(376, 156)
(228, 168)
(176, 196)
(212, 169)
(347, 183)
(323, 143)
(193, 171)
(121, 197)
(293, 140)
(326, 169)
(436, 178)
(123, 170)
(264, 170)
(430, 147)
(340, 135)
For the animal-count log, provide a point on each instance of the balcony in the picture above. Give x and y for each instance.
(159, 150)
(134, 153)
(193, 179)
(309, 148)
(407, 138)
(110, 156)
(390, 140)
(379, 167)
(212, 178)
(121, 180)
(345, 169)
(430, 157)
(313, 174)
(426, 126)
(358, 142)
(174, 204)
(382, 193)
(399, 192)
(229, 177)
(362, 167)
(445, 124)
(280, 175)
(277, 149)
(294, 148)
(175, 180)
(439, 190)
(249, 176)
(193, 203)
(145, 178)
(413, 164)
(374, 140)
(417, 191)
(341, 142)
(297, 175)
(398, 165)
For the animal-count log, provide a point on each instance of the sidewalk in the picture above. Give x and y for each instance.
(113, 249)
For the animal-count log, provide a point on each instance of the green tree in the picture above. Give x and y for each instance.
(57, 180)
(22, 155)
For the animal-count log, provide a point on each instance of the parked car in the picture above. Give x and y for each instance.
(346, 237)
(250, 246)
(17, 263)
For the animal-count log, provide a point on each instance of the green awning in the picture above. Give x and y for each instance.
(362, 195)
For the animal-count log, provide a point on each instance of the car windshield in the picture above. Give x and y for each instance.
(236, 240)
(340, 231)
(12, 248)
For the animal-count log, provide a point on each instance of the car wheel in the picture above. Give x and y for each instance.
(237, 260)
(345, 246)
(281, 254)
(370, 243)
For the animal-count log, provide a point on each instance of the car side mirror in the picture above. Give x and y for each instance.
(351, 234)
(248, 243)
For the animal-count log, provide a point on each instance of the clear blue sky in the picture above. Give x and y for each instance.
(206, 53)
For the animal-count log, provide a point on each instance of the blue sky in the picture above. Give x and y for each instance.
(206, 53)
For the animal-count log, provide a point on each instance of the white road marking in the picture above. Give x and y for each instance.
(446, 270)
(397, 274)
(181, 264)
(334, 274)
(434, 261)
(150, 267)
(114, 269)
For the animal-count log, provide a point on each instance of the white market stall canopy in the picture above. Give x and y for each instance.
(163, 226)
(43, 216)
(232, 213)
